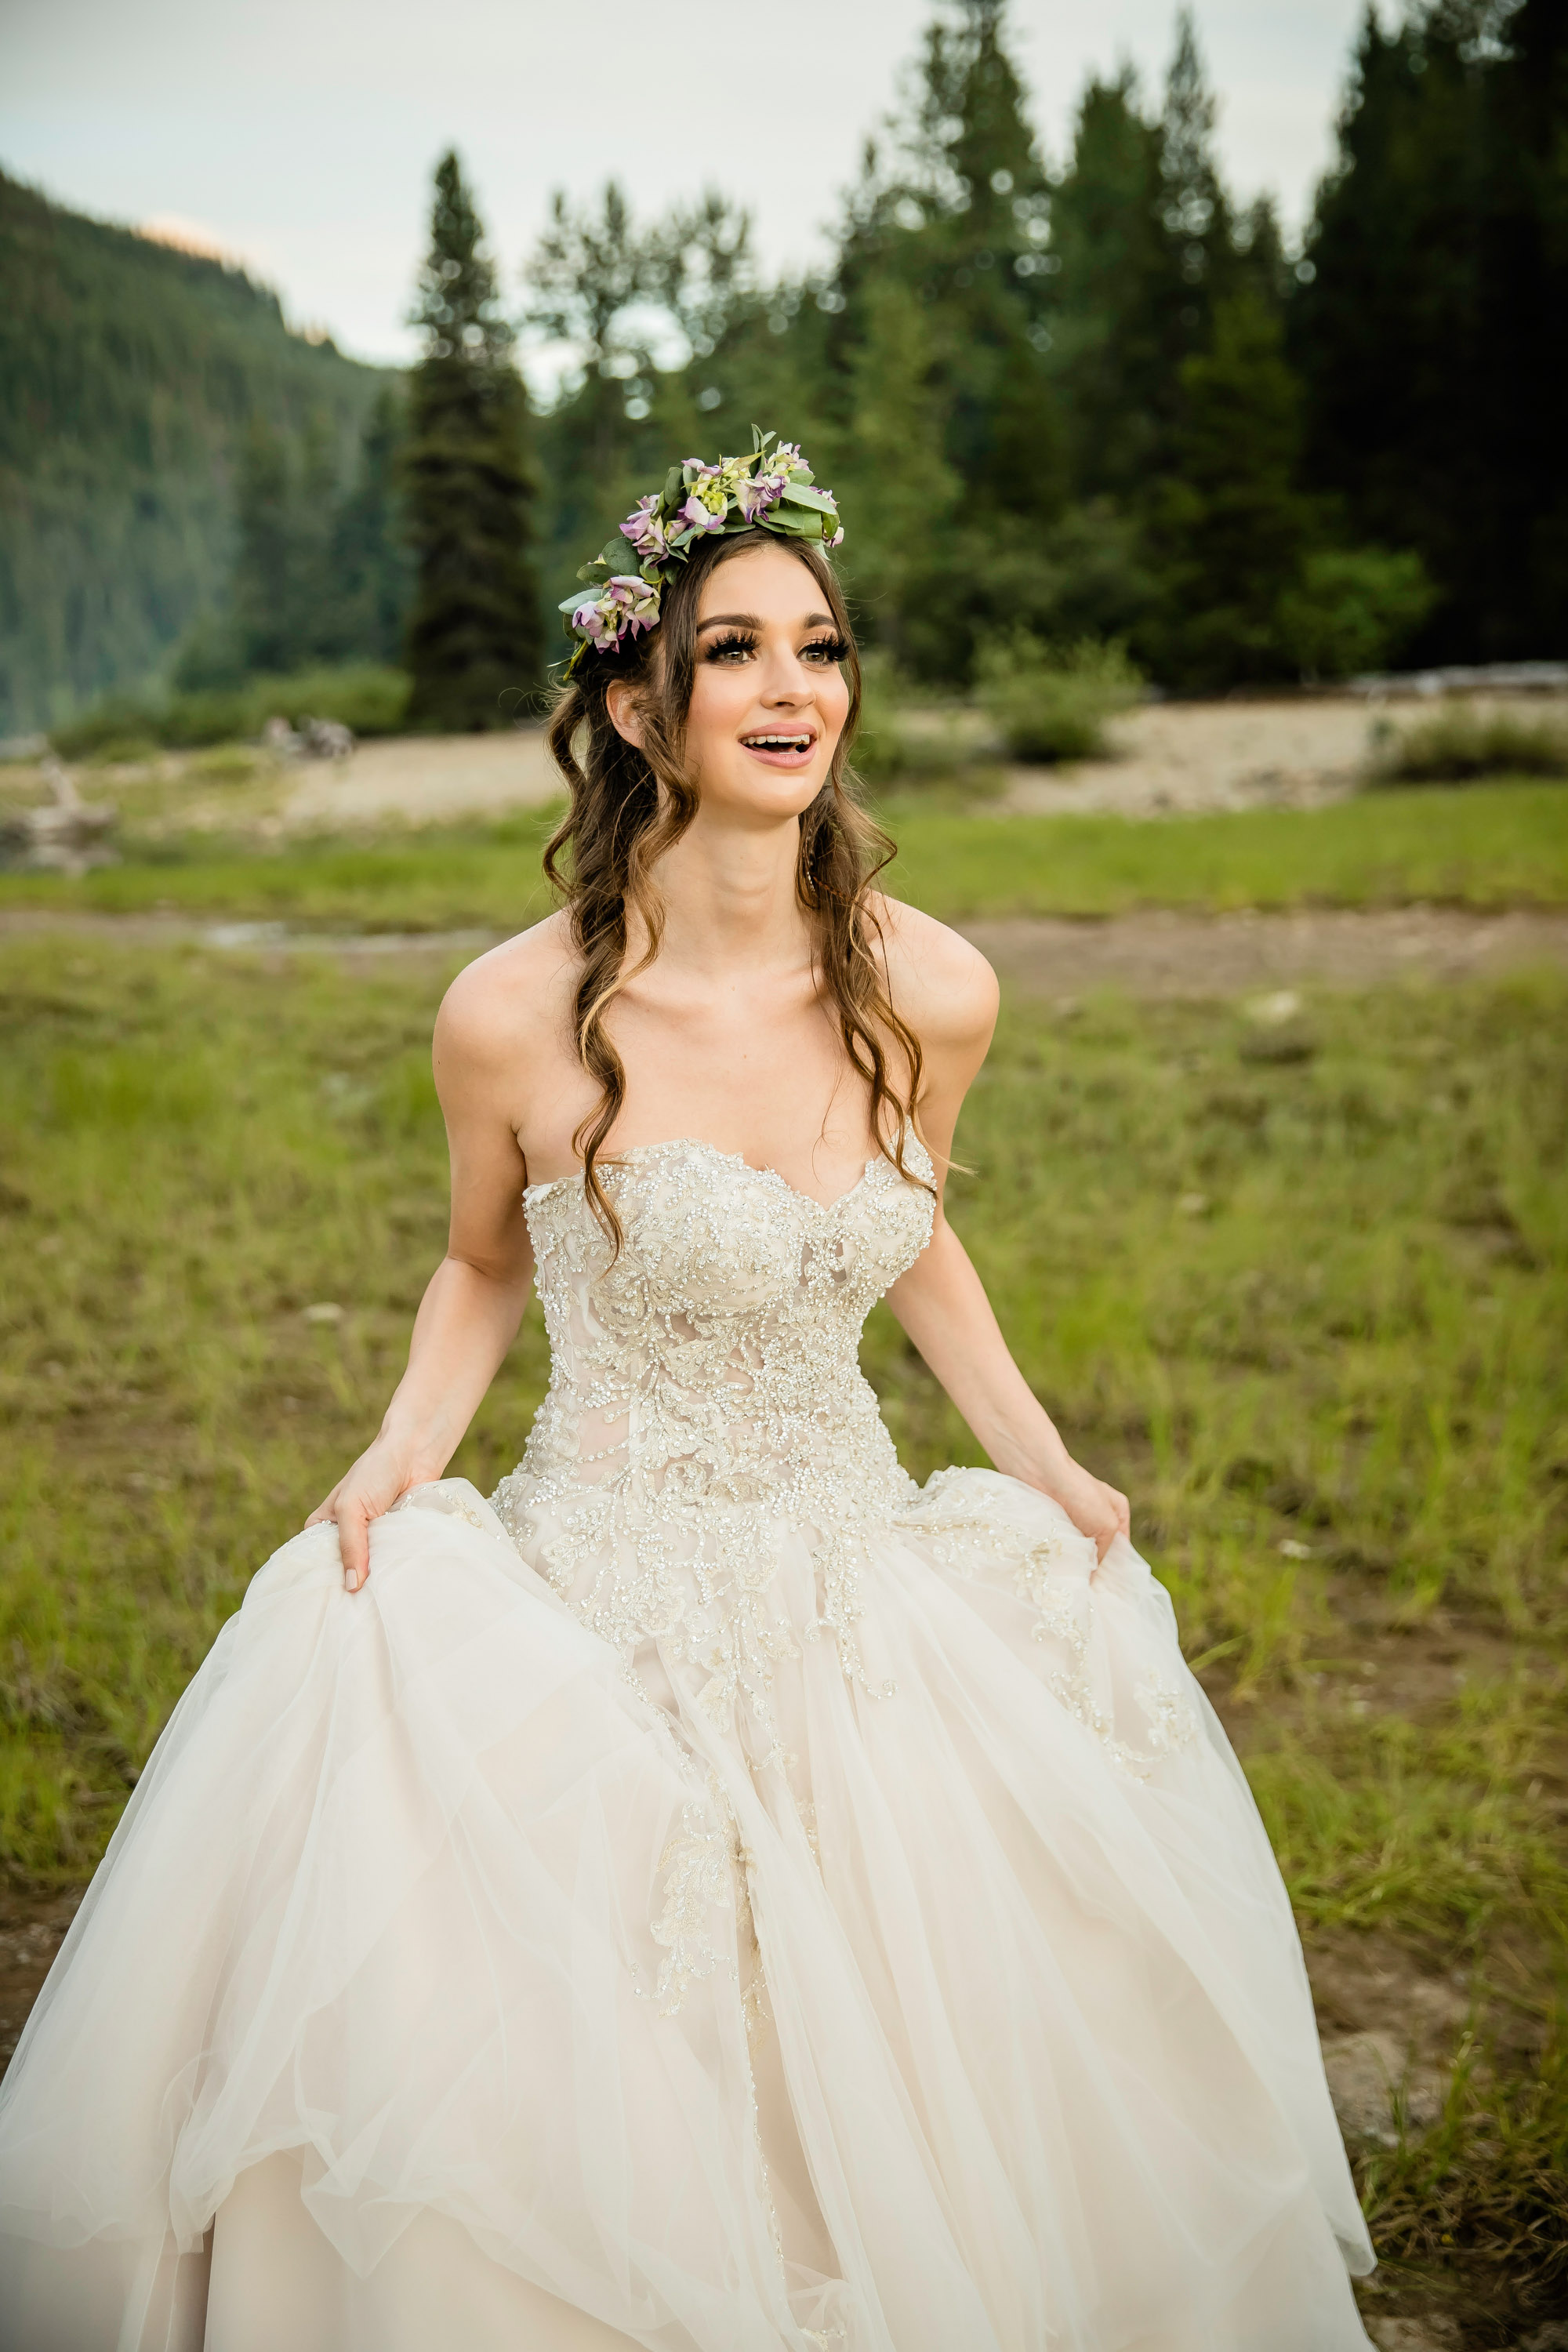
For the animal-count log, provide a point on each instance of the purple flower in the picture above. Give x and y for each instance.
(698, 512)
(645, 531)
(589, 620)
(624, 606)
(755, 498)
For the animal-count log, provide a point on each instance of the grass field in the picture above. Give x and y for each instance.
(1303, 1290)
(1501, 844)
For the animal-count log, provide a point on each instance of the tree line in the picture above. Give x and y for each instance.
(1089, 399)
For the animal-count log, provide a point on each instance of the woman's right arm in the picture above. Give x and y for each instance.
(474, 1301)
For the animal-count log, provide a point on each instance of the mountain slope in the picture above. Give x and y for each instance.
(128, 374)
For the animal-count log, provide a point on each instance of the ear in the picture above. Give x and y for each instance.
(620, 702)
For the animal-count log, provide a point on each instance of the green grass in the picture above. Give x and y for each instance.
(1500, 845)
(1319, 1303)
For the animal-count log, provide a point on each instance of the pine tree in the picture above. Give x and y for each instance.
(905, 493)
(369, 556)
(1111, 360)
(1433, 331)
(475, 631)
(1229, 529)
(267, 574)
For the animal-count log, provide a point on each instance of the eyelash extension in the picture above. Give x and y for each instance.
(737, 641)
(741, 641)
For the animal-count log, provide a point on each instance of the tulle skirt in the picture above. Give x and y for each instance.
(453, 1983)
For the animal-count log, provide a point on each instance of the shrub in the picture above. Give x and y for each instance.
(122, 751)
(228, 764)
(1460, 745)
(1051, 702)
(370, 699)
(897, 740)
(1352, 609)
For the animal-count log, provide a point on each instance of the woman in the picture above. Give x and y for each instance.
(716, 1894)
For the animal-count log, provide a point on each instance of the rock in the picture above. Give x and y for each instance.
(278, 738)
(327, 739)
(1438, 2334)
(1365, 2072)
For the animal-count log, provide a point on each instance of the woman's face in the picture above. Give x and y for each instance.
(768, 698)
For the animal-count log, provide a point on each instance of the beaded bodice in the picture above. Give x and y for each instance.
(705, 1386)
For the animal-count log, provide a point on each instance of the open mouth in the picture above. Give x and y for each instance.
(782, 745)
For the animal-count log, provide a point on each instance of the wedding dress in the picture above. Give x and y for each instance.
(715, 1896)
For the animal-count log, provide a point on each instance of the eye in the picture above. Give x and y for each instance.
(824, 651)
(734, 647)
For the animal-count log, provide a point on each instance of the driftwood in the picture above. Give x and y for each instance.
(67, 835)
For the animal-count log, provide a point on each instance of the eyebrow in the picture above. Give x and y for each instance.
(750, 621)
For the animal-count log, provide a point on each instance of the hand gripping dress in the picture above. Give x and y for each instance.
(716, 1897)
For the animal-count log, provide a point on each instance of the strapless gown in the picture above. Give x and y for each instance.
(715, 1896)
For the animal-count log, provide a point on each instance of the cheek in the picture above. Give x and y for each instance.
(833, 701)
(721, 697)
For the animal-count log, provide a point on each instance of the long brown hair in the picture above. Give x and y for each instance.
(629, 805)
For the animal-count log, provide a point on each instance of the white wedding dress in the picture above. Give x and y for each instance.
(716, 1897)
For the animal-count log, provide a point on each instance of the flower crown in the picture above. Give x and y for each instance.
(771, 489)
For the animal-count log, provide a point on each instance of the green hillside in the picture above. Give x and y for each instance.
(128, 374)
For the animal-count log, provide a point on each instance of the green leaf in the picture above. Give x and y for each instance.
(795, 523)
(801, 495)
(673, 485)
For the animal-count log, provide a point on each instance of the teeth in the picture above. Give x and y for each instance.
(780, 742)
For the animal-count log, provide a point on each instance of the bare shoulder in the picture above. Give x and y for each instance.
(940, 984)
(508, 1005)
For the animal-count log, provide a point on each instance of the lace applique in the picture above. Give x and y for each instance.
(699, 1875)
(1172, 1721)
(706, 1401)
(1065, 1614)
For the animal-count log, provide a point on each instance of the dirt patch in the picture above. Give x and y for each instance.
(32, 1929)
(425, 780)
(1150, 954)
(1156, 953)
(1298, 752)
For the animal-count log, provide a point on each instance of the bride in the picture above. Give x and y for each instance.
(715, 1893)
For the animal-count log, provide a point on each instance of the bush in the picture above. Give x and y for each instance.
(893, 743)
(1051, 702)
(370, 700)
(1352, 609)
(124, 750)
(229, 763)
(1461, 744)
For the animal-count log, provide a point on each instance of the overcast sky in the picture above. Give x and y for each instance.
(299, 135)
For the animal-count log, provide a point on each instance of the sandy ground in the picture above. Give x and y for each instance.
(422, 778)
(1168, 757)
(1294, 752)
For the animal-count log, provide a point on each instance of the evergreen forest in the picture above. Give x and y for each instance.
(1088, 397)
(137, 384)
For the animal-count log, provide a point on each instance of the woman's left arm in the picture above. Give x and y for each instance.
(947, 992)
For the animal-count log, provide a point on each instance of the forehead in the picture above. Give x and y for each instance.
(768, 581)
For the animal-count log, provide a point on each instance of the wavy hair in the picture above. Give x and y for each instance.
(630, 804)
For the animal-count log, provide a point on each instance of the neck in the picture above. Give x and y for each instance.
(730, 898)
